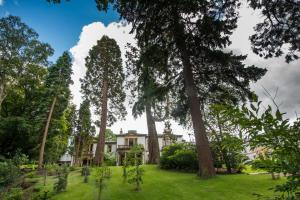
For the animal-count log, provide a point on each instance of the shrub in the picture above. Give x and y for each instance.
(10, 169)
(72, 168)
(109, 159)
(13, 194)
(85, 172)
(180, 156)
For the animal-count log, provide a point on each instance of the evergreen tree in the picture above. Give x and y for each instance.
(85, 130)
(143, 82)
(58, 94)
(103, 86)
(194, 33)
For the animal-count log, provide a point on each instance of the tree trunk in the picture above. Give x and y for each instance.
(77, 150)
(2, 94)
(153, 146)
(205, 160)
(99, 156)
(42, 149)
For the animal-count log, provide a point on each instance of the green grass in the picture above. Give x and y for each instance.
(248, 169)
(165, 185)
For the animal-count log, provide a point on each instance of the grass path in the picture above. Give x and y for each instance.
(166, 185)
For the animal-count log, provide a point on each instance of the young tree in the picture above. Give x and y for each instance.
(143, 82)
(19, 48)
(194, 34)
(57, 83)
(103, 86)
(226, 141)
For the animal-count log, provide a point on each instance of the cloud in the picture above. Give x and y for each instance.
(281, 76)
(1, 2)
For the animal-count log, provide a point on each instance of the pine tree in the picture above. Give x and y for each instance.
(85, 130)
(103, 86)
(144, 67)
(58, 94)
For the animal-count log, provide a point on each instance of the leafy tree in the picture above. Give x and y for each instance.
(144, 69)
(104, 79)
(194, 34)
(225, 136)
(280, 27)
(23, 74)
(58, 92)
(110, 136)
(20, 49)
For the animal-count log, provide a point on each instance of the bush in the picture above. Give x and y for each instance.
(13, 194)
(179, 156)
(10, 169)
(109, 159)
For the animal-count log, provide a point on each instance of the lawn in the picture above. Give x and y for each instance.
(164, 185)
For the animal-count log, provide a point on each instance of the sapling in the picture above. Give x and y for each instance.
(102, 174)
(62, 175)
(85, 172)
(135, 174)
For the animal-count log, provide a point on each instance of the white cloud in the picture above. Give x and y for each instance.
(285, 77)
(1, 2)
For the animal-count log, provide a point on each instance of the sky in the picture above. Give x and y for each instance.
(77, 25)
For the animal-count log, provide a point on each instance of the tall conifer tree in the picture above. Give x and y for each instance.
(103, 86)
(58, 94)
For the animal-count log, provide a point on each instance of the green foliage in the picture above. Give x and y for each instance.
(43, 196)
(134, 173)
(179, 156)
(135, 176)
(85, 172)
(10, 170)
(102, 174)
(110, 136)
(104, 62)
(109, 159)
(62, 179)
(13, 194)
(269, 129)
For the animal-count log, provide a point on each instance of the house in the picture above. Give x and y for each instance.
(124, 142)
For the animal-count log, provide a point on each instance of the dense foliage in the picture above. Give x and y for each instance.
(179, 156)
(226, 139)
(280, 137)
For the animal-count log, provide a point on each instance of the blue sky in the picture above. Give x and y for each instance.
(57, 24)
